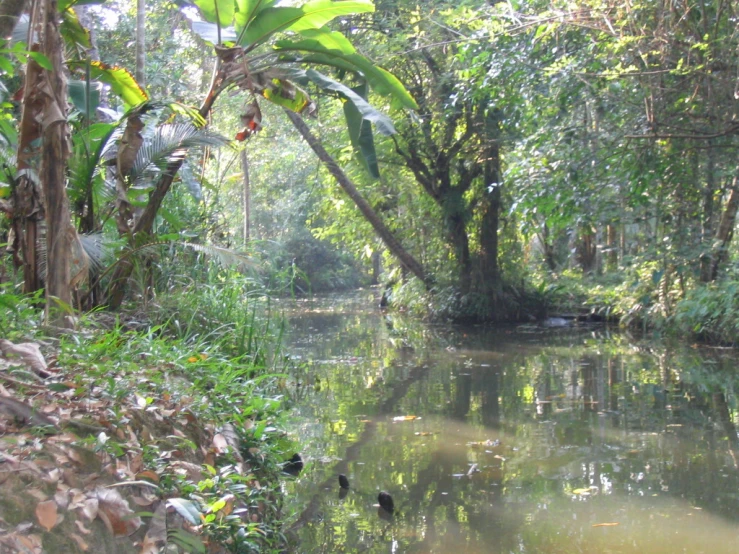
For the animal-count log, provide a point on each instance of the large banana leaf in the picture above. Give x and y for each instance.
(121, 81)
(284, 93)
(248, 9)
(265, 23)
(84, 95)
(209, 32)
(73, 32)
(360, 134)
(319, 12)
(220, 11)
(381, 81)
(357, 98)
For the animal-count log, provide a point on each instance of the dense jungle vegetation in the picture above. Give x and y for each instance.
(493, 159)
(168, 167)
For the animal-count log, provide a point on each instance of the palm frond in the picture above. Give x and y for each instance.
(224, 256)
(90, 254)
(99, 252)
(170, 143)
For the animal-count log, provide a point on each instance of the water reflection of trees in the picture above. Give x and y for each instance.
(630, 422)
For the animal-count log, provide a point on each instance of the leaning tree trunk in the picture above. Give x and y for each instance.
(405, 258)
(55, 146)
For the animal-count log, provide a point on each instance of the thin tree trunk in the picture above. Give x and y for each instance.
(457, 231)
(725, 230)
(585, 251)
(141, 42)
(59, 232)
(548, 247)
(247, 197)
(612, 257)
(406, 260)
(491, 217)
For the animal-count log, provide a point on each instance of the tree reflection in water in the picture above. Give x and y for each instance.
(581, 440)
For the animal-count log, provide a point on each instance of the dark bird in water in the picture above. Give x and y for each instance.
(386, 502)
(343, 481)
(294, 465)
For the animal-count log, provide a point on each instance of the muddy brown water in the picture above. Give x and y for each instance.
(507, 440)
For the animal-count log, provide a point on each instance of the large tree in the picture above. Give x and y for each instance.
(452, 145)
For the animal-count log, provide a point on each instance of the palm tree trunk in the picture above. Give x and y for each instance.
(27, 203)
(405, 258)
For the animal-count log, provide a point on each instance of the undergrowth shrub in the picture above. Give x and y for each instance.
(710, 312)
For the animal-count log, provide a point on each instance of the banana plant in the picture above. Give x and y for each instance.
(263, 48)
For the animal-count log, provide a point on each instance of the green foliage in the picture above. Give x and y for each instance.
(19, 316)
(710, 313)
(222, 363)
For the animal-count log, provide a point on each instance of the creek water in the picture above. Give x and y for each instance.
(507, 440)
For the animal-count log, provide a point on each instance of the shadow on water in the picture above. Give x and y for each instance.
(508, 440)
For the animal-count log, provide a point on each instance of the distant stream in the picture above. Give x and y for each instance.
(507, 439)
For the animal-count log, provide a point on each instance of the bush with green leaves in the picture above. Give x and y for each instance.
(710, 312)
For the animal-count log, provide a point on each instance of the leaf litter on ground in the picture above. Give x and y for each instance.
(83, 455)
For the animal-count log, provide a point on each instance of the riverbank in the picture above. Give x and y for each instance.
(124, 440)
(642, 299)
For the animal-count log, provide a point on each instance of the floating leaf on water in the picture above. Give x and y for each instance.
(406, 418)
(484, 444)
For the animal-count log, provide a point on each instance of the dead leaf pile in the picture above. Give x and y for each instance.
(73, 461)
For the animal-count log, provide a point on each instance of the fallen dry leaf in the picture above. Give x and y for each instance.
(46, 513)
(80, 542)
(30, 353)
(88, 508)
(220, 444)
(31, 542)
(115, 512)
(148, 474)
(61, 496)
(156, 536)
